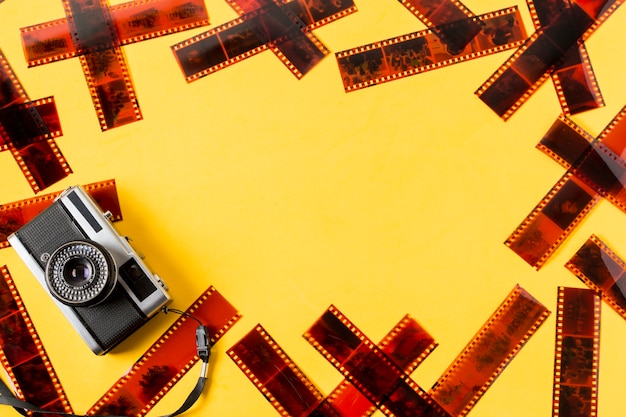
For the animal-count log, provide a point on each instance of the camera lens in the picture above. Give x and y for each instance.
(81, 273)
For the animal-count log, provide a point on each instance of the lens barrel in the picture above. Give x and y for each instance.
(81, 273)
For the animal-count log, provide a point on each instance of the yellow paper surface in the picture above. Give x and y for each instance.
(289, 196)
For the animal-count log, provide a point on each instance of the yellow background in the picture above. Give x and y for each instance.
(290, 195)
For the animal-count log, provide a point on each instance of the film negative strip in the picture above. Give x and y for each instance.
(422, 51)
(574, 79)
(23, 355)
(133, 21)
(15, 215)
(95, 32)
(168, 359)
(576, 353)
(489, 352)
(28, 130)
(603, 271)
(595, 170)
(524, 71)
(278, 378)
(368, 368)
(290, 37)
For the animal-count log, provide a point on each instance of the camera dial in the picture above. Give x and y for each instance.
(81, 273)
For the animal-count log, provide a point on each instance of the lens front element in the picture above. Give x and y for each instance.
(81, 273)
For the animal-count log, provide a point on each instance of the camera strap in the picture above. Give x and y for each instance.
(203, 350)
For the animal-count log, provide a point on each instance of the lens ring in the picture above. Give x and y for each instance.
(81, 273)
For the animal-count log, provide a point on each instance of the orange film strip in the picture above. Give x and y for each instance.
(573, 78)
(422, 51)
(522, 74)
(259, 356)
(23, 355)
(28, 129)
(576, 353)
(595, 170)
(94, 31)
(283, 28)
(603, 271)
(489, 352)
(168, 359)
(15, 215)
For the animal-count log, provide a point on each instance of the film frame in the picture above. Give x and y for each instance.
(28, 130)
(422, 51)
(91, 32)
(23, 355)
(576, 353)
(595, 170)
(368, 368)
(602, 270)
(239, 39)
(168, 359)
(574, 79)
(516, 80)
(15, 215)
(489, 352)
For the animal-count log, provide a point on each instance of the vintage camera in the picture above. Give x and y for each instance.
(97, 280)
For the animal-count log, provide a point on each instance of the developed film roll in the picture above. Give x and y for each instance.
(576, 353)
(422, 51)
(168, 359)
(489, 352)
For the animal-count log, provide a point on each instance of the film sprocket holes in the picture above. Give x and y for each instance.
(91, 272)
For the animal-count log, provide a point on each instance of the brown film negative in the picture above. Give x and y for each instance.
(168, 359)
(23, 355)
(574, 79)
(133, 21)
(422, 51)
(17, 214)
(602, 270)
(368, 368)
(489, 352)
(94, 31)
(576, 353)
(533, 62)
(28, 130)
(239, 39)
(277, 377)
(595, 170)
(449, 19)
(406, 345)
(552, 220)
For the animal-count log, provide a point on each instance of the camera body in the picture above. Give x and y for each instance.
(97, 280)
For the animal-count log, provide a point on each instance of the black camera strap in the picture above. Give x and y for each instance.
(203, 350)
